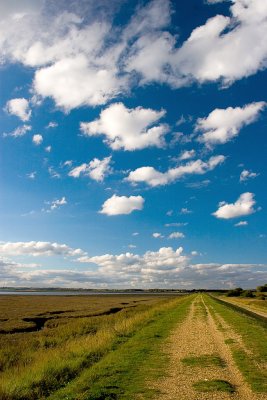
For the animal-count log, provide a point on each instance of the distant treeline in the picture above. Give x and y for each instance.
(260, 292)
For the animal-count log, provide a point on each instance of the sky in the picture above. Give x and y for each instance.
(133, 143)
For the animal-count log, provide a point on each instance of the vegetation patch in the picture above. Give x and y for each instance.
(250, 362)
(215, 385)
(229, 341)
(205, 360)
(124, 373)
(35, 365)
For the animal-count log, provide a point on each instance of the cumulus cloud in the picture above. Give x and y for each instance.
(176, 235)
(96, 169)
(244, 205)
(37, 139)
(128, 129)
(117, 205)
(165, 268)
(222, 125)
(245, 175)
(152, 177)
(36, 249)
(81, 58)
(72, 83)
(164, 259)
(20, 108)
(221, 49)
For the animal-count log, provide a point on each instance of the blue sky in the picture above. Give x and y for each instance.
(133, 143)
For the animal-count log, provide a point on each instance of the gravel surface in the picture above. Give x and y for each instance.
(199, 335)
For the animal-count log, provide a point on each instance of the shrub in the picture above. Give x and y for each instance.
(247, 293)
(234, 292)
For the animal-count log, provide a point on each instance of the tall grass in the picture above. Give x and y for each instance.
(53, 358)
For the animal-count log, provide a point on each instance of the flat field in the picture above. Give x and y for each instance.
(126, 347)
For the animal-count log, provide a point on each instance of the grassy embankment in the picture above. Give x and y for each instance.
(90, 358)
(254, 304)
(250, 354)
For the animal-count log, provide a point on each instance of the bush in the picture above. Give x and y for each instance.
(262, 289)
(234, 292)
(247, 293)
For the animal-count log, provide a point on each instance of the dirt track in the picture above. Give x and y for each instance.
(197, 336)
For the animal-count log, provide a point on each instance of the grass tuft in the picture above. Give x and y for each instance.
(205, 360)
(215, 385)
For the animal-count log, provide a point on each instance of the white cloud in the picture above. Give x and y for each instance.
(199, 184)
(176, 224)
(222, 125)
(37, 139)
(244, 205)
(176, 235)
(245, 175)
(31, 175)
(19, 131)
(241, 223)
(58, 203)
(153, 177)
(20, 108)
(157, 235)
(53, 174)
(185, 210)
(187, 154)
(96, 169)
(37, 248)
(117, 205)
(221, 49)
(80, 58)
(128, 129)
(52, 124)
(165, 259)
(73, 82)
(135, 233)
(165, 268)
(19, 9)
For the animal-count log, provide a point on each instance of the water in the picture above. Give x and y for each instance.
(74, 293)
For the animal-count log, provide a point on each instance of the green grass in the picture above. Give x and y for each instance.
(126, 372)
(64, 351)
(215, 385)
(229, 341)
(205, 360)
(251, 362)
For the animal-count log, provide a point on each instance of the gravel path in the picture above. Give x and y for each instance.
(198, 336)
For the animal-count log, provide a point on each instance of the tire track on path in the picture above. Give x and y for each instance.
(199, 336)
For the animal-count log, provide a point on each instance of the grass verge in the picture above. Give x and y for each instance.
(250, 355)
